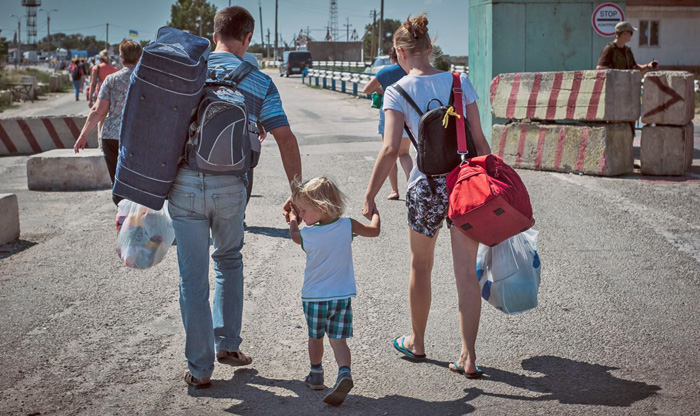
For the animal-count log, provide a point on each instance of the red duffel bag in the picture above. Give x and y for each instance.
(488, 200)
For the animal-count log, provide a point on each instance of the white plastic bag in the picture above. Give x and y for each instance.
(509, 273)
(143, 235)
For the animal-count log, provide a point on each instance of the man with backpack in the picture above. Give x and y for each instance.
(209, 195)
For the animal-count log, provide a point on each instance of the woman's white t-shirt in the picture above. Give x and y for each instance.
(423, 88)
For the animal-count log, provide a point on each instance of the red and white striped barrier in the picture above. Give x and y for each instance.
(609, 95)
(604, 150)
(26, 136)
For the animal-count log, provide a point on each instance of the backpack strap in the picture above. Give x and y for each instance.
(413, 104)
(241, 72)
(456, 97)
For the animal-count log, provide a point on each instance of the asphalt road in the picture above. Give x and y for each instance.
(616, 332)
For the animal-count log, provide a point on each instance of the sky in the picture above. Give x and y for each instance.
(447, 18)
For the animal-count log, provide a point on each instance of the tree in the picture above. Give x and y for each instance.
(194, 16)
(439, 60)
(388, 27)
(144, 43)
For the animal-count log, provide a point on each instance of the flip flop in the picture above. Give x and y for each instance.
(403, 350)
(457, 369)
(195, 382)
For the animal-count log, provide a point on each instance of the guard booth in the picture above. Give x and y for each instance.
(534, 36)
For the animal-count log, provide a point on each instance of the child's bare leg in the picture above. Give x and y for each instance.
(341, 351)
(316, 351)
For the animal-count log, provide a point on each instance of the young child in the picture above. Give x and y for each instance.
(329, 279)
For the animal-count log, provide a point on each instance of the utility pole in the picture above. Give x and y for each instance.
(268, 42)
(48, 22)
(380, 39)
(374, 24)
(347, 29)
(307, 33)
(276, 36)
(19, 39)
(262, 36)
(107, 38)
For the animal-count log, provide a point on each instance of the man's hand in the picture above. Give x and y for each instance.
(369, 208)
(288, 209)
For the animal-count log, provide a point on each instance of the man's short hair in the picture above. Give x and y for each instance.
(130, 52)
(233, 23)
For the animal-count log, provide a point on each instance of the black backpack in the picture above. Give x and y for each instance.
(222, 139)
(77, 73)
(436, 146)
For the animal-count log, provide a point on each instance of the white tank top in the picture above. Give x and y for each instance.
(329, 273)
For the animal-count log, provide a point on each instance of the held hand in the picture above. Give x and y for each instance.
(653, 64)
(369, 208)
(287, 209)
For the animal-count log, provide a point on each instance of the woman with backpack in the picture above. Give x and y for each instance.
(76, 75)
(427, 198)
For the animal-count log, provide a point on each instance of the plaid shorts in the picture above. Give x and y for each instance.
(333, 317)
(428, 205)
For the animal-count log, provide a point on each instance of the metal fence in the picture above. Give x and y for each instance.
(353, 66)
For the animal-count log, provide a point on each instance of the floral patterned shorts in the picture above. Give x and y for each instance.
(428, 205)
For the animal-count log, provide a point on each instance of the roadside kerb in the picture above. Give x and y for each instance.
(609, 95)
(603, 149)
(31, 135)
(64, 170)
(9, 218)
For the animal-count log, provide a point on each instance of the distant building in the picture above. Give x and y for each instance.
(669, 31)
(335, 51)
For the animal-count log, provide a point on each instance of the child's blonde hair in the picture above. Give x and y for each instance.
(321, 193)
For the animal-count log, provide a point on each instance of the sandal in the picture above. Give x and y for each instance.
(234, 358)
(457, 369)
(405, 351)
(195, 382)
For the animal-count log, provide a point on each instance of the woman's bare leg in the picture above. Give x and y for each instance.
(464, 260)
(405, 157)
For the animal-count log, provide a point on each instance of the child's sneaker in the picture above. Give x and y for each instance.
(315, 380)
(341, 389)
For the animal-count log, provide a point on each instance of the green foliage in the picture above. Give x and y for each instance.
(194, 16)
(74, 41)
(389, 27)
(439, 61)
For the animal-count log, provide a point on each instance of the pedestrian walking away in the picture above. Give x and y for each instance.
(109, 107)
(77, 75)
(329, 277)
(98, 74)
(426, 199)
(202, 203)
(378, 84)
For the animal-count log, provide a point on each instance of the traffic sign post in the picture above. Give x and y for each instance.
(605, 17)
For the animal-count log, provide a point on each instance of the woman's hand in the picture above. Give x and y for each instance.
(80, 144)
(369, 208)
(287, 209)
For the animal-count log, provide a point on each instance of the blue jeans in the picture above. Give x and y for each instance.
(197, 204)
(76, 87)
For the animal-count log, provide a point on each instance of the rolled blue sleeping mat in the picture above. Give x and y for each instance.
(165, 88)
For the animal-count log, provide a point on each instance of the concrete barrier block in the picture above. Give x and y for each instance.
(668, 98)
(64, 170)
(604, 150)
(9, 218)
(26, 136)
(54, 83)
(666, 150)
(609, 95)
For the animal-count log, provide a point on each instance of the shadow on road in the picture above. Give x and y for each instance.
(15, 247)
(260, 395)
(570, 382)
(269, 231)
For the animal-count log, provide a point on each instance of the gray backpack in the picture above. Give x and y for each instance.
(222, 137)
